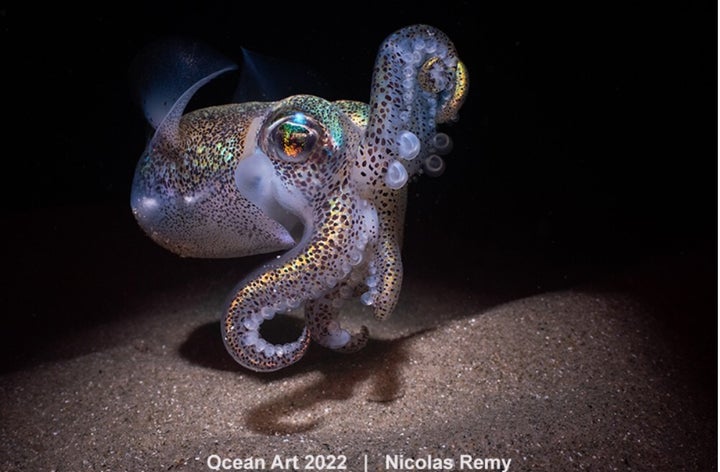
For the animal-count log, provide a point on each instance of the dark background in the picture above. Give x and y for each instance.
(587, 147)
(586, 124)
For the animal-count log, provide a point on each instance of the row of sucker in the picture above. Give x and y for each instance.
(321, 314)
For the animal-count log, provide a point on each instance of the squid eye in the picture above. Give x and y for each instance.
(293, 138)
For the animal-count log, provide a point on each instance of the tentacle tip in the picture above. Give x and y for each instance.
(449, 110)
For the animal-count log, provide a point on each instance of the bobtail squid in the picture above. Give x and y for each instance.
(324, 181)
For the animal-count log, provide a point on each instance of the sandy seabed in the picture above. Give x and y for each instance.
(587, 377)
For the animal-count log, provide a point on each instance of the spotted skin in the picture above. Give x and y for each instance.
(240, 179)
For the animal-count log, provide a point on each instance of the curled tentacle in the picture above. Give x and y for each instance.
(305, 274)
(241, 335)
(276, 288)
(418, 82)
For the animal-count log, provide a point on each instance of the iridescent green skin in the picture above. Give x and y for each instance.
(341, 168)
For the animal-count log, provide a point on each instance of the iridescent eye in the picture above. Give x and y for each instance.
(292, 138)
